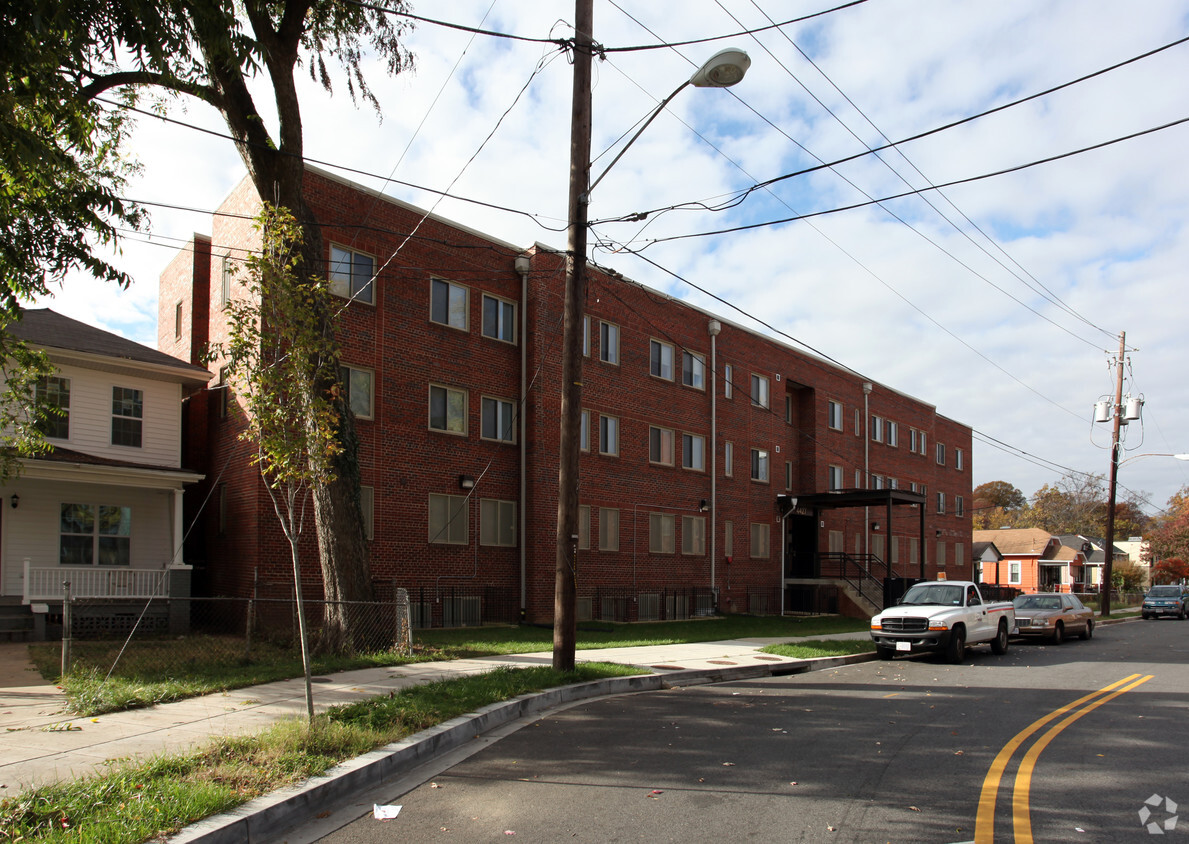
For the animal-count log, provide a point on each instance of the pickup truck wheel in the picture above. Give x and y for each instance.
(1058, 633)
(999, 643)
(955, 652)
(1088, 633)
(885, 652)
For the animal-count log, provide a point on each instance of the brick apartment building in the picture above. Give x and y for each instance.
(718, 464)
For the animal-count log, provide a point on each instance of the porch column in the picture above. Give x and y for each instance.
(179, 529)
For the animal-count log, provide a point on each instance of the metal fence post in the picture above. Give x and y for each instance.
(67, 626)
(251, 620)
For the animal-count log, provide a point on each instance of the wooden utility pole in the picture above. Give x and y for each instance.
(565, 626)
(1114, 478)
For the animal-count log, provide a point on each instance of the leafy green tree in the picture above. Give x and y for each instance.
(23, 416)
(1126, 576)
(209, 50)
(997, 504)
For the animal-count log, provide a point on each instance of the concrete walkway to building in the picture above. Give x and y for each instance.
(40, 743)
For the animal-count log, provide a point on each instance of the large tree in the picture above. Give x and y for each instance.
(1169, 532)
(997, 504)
(209, 50)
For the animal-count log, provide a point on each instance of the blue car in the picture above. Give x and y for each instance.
(1166, 600)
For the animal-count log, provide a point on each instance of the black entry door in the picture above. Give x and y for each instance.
(801, 546)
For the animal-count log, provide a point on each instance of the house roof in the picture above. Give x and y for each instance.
(50, 330)
(1032, 542)
(985, 551)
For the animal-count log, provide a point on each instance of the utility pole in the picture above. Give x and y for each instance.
(565, 625)
(1114, 477)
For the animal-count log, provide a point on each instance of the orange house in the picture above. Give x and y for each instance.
(1034, 560)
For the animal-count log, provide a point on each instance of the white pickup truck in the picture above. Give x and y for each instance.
(943, 616)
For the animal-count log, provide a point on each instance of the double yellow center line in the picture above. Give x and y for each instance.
(984, 824)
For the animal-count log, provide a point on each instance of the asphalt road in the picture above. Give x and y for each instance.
(881, 751)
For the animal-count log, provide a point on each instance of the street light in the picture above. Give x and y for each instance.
(723, 69)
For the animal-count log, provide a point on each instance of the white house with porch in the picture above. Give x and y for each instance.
(102, 510)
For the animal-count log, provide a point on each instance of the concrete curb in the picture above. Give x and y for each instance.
(259, 819)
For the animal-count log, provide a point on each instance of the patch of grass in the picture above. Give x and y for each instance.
(818, 648)
(132, 803)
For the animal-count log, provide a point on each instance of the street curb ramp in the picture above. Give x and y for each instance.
(260, 819)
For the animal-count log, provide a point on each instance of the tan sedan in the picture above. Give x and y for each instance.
(1053, 615)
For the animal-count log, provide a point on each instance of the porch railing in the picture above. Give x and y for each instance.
(45, 583)
(862, 571)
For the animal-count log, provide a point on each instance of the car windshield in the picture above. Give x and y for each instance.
(1037, 602)
(1165, 592)
(922, 595)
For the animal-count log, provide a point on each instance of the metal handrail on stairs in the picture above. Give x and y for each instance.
(858, 570)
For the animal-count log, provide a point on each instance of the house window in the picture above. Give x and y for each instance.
(225, 282)
(759, 391)
(693, 452)
(367, 508)
(1013, 572)
(609, 343)
(177, 320)
(499, 319)
(728, 459)
(660, 446)
(351, 274)
(660, 357)
(90, 535)
(728, 538)
(693, 535)
(584, 432)
(448, 304)
(892, 433)
(358, 384)
(834, 412)
(608, 435)
(876, 429)
(127, 416)
(958, 459)
(759, 465)
(940, 502)
(940, 454)
(447, 409)
(583, 527)
(693, 370)
(760, 548)
(497, 422)
(608, 529)
(835, 480)
(660, 533)
(52, 395)
(728, 386)
(497, 523)
(447, 519)
(959, 506)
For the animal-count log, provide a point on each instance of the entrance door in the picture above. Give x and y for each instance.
(801, 547)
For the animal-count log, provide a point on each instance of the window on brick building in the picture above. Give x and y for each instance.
(53, 393)
(584, 432)
(358, 384)
(788, 475)
(351, 274)
(608, 529)
(834, 414)
(959, 506)
(835, 479)
(448, 304)
(583, 527)
(498, 420)
(693, 452)
(225, 282)
(497, 523)
(660, 360)
(940, 449)
(760, 541)
(693, 535)
(177, 320)
(728, 538)
(447, 519)
(660, 446)
(499, 319)
(693, 370)
(759, 391)
(876, 482)
(585, 336)
(608, 435)
(877, 429)
(660, 533)
(367, 508)
(759, 465)
(958, 459)
(728, 384)
(127, 416)
(891, 433)
(447, 409)
(728, 459)
(609, 343)
(941, 502)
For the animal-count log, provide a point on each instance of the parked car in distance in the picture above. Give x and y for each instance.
(1165, 600)
(1053, 615)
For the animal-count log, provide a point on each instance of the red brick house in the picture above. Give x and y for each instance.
(719, 466)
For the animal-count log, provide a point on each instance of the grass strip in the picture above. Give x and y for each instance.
(134, 802)
(822, 647)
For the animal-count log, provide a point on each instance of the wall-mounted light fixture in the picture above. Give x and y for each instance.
(15, 500)
(703, 506)
(938, 534)
(466, 481)
(875, 525)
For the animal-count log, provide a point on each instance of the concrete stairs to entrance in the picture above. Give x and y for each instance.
(16, 620)
(861, 602)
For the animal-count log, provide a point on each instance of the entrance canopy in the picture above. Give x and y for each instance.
(815, 503)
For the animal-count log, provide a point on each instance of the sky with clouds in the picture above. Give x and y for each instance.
(999, 300)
